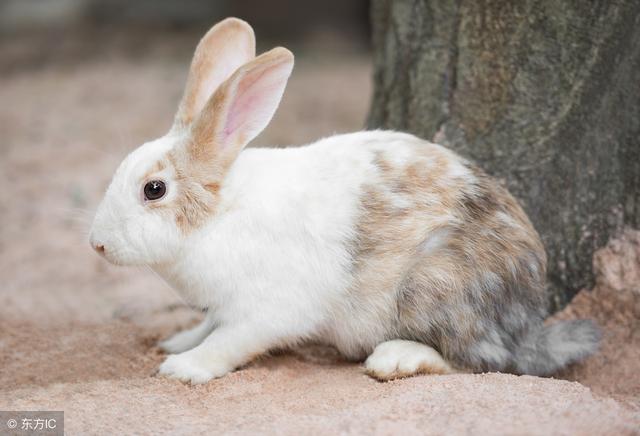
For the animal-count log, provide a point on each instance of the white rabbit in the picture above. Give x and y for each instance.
(378, 243)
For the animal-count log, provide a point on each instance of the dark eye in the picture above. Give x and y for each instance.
(154, 190)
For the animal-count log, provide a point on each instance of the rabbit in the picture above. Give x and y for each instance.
(394, 250)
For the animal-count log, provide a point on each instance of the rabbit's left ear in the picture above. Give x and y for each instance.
(240, 109)
(226, 46)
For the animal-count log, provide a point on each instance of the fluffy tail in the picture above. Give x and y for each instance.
(551, 348)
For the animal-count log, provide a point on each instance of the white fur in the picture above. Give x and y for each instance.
(121, 223)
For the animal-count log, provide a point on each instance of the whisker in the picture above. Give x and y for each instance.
(74, 212)
(80, 218)
(160, 278)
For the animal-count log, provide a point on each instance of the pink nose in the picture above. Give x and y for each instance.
(97, 246)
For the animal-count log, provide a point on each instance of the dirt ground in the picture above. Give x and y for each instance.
(79, 335)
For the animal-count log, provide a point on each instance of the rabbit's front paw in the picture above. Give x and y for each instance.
(190, 368)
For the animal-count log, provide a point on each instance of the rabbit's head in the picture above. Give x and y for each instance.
(169, 187)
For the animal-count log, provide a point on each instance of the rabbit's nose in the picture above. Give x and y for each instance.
(97, 246)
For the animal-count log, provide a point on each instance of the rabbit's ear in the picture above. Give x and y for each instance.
(240, 108)
(226, 46)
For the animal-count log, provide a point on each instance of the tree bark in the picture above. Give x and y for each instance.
(543, 94)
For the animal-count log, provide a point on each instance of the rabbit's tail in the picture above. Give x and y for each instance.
(548, 349)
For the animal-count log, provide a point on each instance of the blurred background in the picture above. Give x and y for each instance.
(83, 82)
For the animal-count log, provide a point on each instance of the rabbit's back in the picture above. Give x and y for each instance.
(442, 254)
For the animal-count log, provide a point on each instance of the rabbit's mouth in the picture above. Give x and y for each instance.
(118, 257)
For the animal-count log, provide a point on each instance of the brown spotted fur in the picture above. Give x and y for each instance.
(469, 297)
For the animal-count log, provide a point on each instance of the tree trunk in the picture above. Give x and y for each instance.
(543, 94)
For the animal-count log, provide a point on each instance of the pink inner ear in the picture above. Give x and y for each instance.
(256, 98)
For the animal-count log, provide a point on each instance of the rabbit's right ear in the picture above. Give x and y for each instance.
(226, 46)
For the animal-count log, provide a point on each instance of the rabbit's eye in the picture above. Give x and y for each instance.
(154, 190)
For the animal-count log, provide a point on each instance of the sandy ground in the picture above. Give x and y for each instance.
(78, 335)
